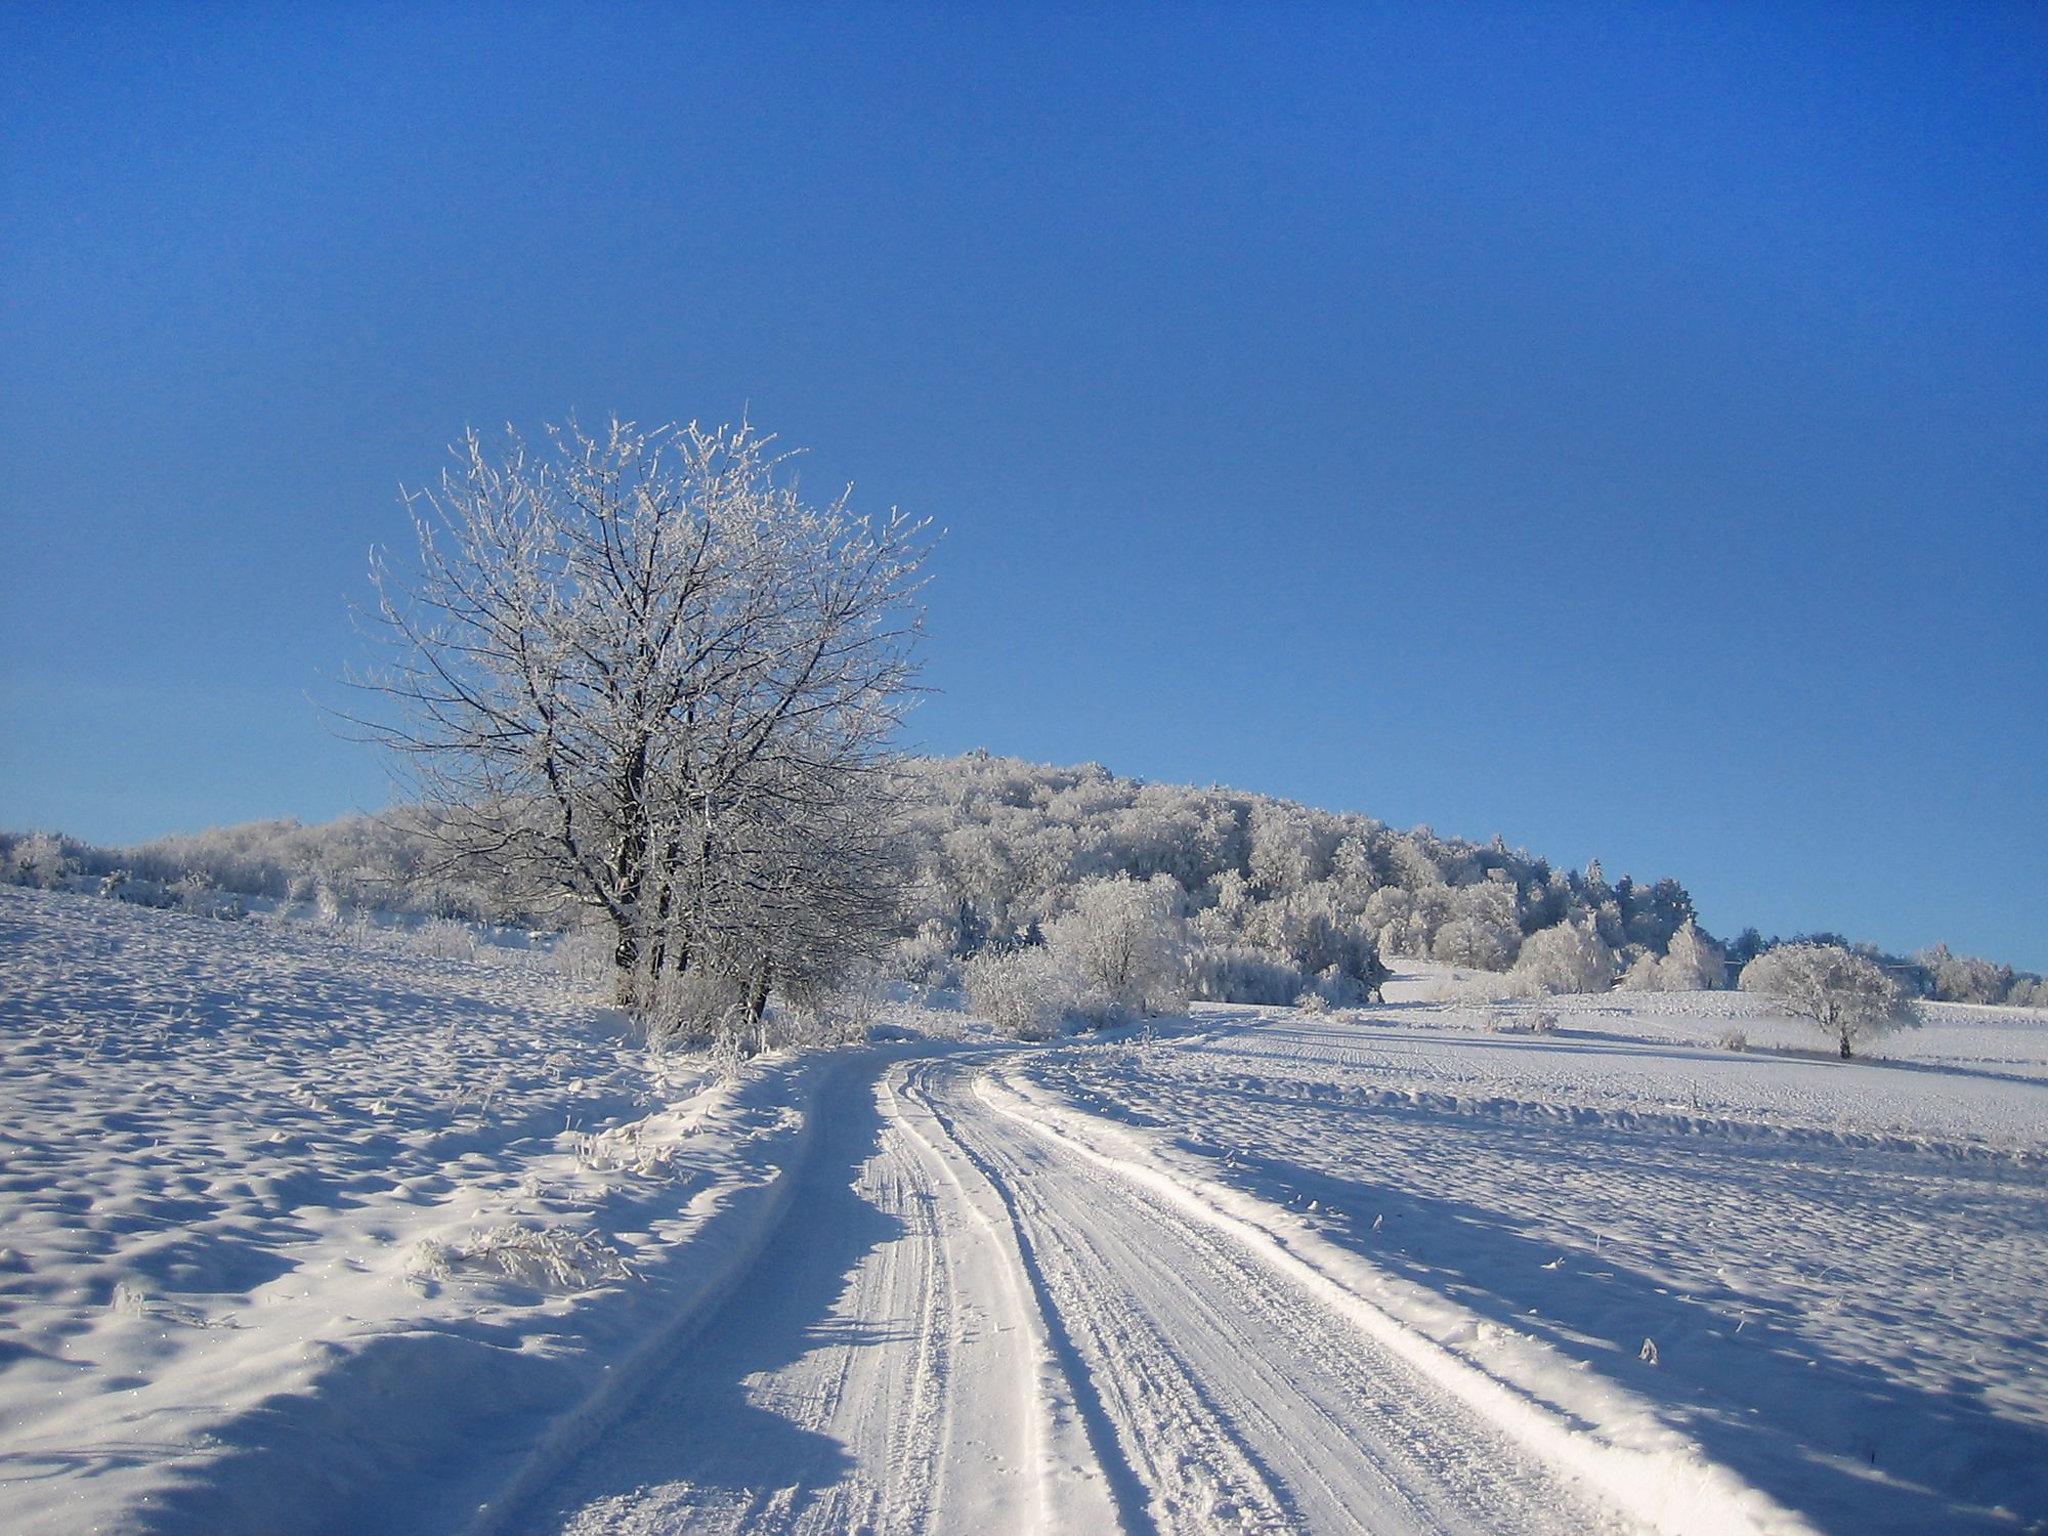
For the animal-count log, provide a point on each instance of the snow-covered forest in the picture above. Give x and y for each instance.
(1268, 899)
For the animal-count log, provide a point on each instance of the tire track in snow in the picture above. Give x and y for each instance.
(1237, 1398)
(859, 1378)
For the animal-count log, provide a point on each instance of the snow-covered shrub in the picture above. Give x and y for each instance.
(1515, 1021)
(442, 938)
(1846, 996)
(830, 1013)
(1570, 957)
(696, 1008)
(1026, 993)
(583, 956)
(196, 893)
(1124, 940)
(1227, 973)
(1734, 1040)
(38, 859)
(139, 893)
(547, 1258)
(1312, 1002)
(854, 1001)
(326, 906)
(926, 959)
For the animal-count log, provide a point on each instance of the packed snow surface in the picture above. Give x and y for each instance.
(309, 1231)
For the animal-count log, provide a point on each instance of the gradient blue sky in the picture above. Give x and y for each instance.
(1624, 428)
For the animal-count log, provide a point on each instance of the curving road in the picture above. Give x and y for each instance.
(963, 1325)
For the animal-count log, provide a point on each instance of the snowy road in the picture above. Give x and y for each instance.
(963, 1324)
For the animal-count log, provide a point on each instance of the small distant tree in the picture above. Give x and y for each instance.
(1848, 998)
(1693, 964)
(1474, 943)
(1026, 993)
(1965, 978)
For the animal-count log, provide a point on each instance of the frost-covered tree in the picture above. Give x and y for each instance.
(636, 665)
(1693, 963)
(1026, 993)
(1484, 934)
(1473, 943)
(1571, 957)
(1122, 938)
(1847, 997)
(1965, 978)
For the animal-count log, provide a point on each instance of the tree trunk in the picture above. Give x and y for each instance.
(626, 963)
(1845, 1045)
(664, 901)
(629, 872)
(757, 1004)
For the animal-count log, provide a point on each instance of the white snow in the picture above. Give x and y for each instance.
(301, 1231)
(291, 1228)
(1838, 1267)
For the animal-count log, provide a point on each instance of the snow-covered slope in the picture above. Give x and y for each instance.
(298, 1235)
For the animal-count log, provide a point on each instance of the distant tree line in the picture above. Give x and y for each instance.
(1273, 899)
(1259, 899)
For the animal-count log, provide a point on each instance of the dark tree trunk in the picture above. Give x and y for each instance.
(626, 964)
(664, 903)
(629, 873)
(757, 1003)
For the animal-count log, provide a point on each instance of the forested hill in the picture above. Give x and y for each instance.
(1279, 895)
(1000, 840)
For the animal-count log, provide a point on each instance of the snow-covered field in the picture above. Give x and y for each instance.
(1842, 1267)
(271, 1205)
(303, 1233)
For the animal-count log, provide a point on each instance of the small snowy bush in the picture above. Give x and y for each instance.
(1312, 1002)
(697, 1007)
(1025, 993)
(1229, 973)
(583, 956)
(547, 1258)
(925, 959)
(38, 859)
(442, 938)
(844, 1010)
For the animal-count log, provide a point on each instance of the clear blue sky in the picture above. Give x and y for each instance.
(1623, 428)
